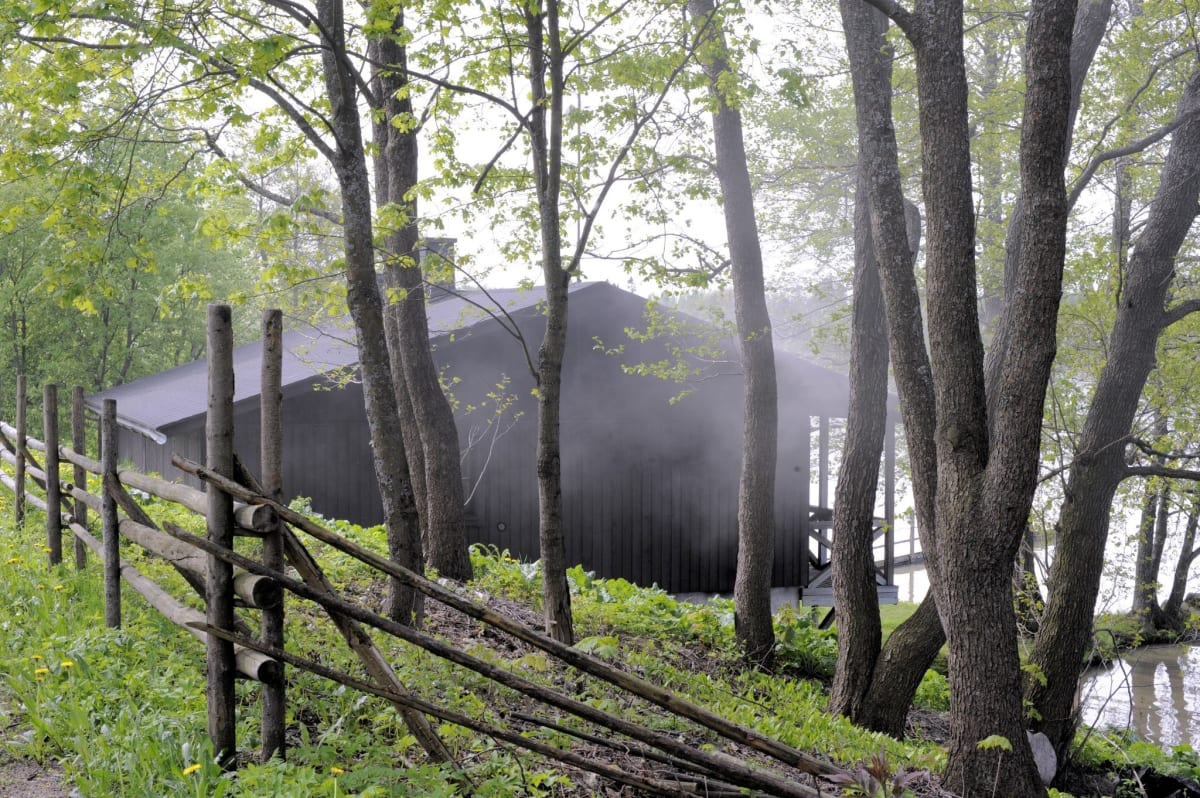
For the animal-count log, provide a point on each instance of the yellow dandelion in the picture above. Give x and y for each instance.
(66, 663)
(36, 657)
(38, 678)
(337, 771)
(12, 561)
(190, 769)
(42, 671)
(58, 587)
(47, 549)
(40, 586)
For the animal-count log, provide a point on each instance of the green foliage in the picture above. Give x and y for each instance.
(801, 645)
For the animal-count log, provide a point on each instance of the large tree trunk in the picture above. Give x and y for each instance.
(546, 69)
(853, 557)
(760, 411)
(383, 422)
(441, 500)
(986, 472)
(1099, 464)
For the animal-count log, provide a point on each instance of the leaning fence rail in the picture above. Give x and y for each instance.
(236, 503)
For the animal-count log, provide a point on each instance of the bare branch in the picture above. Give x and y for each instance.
(1180, 311)
(1129, 149)
(1153, 470)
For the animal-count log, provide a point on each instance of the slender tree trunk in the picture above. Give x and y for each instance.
(1099, 464)
(895, 232)
(1187, 555)
(760, 413)
(1143, 579)
(387, 442)
(442, 506)
(546, 80)
(853, 557)
(1091, 23)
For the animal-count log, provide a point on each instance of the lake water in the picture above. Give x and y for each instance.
(1155, 692)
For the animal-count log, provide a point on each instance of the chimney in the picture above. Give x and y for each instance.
(437, 265)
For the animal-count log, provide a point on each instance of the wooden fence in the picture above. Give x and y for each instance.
(236, 503)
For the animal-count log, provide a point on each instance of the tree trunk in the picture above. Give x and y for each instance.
(1098, 467)
(546, 142)
(1187, 555)
(441, 507)
(895, 234)
(1091, 23)
(760, 412)
(362, 295)
(853, 557)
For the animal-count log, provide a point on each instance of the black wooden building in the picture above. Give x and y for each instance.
(650, 477)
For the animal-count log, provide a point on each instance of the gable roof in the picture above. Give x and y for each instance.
(152, 404)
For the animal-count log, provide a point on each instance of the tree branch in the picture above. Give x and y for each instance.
(1149, 449)
(1089, 171)
(1179, 311)
(1154, 470)
(904, 19)
(266, 193)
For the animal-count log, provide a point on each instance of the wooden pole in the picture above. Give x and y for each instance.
(271, 449)
(79, 475)
(218, 435)
(53, 486)
(108, 514)
(19, 504)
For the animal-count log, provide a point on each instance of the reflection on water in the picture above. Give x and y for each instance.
(1155, 692)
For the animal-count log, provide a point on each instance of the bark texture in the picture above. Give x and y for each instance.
(895, 233)
(366, 309)
(985, 467)
(853, 559)
(1099, 465)
(440, 502)
(545, 127)
(760, 411)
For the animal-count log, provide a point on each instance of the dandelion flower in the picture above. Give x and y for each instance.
(36, 657)
(12, 561)
(337, 771)
(58, 587)
(190, 769)
(66, 663)
(42, 671)
(40, 586)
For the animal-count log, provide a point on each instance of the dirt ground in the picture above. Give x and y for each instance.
(24, 778)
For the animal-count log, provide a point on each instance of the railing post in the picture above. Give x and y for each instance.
(111, 542)
(218, 597)
(274, 707)
(53, 488)
(79, 474)
(19, 503)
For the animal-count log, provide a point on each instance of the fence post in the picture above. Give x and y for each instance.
(111, 542)
(274, 707)
(19, 503)
(218, 435)
(53, 488)
(79, 474)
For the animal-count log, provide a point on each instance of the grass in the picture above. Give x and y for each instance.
(123, 710)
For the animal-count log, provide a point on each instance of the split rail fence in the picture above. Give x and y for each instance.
(236, 503)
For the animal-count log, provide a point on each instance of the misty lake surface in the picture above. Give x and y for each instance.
(1155, 692)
